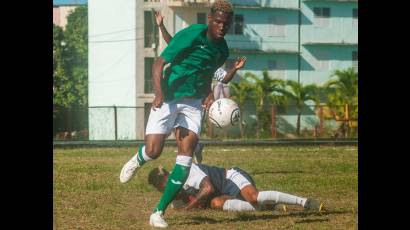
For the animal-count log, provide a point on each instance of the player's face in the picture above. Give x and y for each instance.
(219, 24)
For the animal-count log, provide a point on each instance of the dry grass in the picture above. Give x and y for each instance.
(88, 194)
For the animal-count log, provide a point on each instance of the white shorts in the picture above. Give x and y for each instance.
(239, 177)
(184, 112)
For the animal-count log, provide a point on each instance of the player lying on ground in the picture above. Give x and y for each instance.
(222, 76)
(226, 189)
(181, 93)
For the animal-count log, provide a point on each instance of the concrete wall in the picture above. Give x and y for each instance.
(112, 69)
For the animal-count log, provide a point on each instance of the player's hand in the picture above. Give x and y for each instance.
(240, 62)
(159, 18)
(208, 101)
(158, 100)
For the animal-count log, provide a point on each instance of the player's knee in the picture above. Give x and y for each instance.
(217, 203)
(252, 198)
(153, 151)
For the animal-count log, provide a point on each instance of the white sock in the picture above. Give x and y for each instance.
(237, 205)
(272, 197)
(143, 154)
(184, 160)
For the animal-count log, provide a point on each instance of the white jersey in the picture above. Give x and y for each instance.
(199, 171)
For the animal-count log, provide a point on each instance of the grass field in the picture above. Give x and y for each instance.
(88, 195)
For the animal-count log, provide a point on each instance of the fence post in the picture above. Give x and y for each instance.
(347, 120)
(273, 114)
(320, 120)
(115, 121)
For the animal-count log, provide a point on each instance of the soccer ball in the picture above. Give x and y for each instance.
(224, 113)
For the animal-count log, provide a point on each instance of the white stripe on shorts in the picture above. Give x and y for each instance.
(237, 178)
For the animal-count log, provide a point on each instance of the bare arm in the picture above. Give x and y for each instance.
(209, 99)
(205, 190)
(157, 69)
(160, 22)
(231, 73)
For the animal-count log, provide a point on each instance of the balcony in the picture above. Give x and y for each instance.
(190, 3)
(334, 43)
(260, 4)
(252, 42)
(252, 4)
(330, 0)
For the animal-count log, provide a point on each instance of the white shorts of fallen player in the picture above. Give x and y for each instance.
(183, 112)
(238, 178)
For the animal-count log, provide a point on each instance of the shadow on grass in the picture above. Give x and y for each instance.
(245, 217)
(311, 220)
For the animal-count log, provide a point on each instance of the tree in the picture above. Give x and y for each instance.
(76, 64)
(341, 91)
(240, 93)
(263, 93)
(300, 93)
(59, 76)
(70, 65)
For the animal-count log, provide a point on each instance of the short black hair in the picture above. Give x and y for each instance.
(157, 176)
(223, 6)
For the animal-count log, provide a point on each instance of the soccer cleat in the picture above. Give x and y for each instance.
(156, 220)
(313, 205)
(128, 170)
(198, 153)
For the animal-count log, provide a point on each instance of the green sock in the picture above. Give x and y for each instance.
(175, 182)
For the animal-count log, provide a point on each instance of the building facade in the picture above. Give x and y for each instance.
(63, 8)
(301, 40)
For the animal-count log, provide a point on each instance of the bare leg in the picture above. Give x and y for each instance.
(154, 144)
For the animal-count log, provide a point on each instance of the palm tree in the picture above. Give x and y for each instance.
(240, 93)
(343, 90)
(262, 93)
(300, 94)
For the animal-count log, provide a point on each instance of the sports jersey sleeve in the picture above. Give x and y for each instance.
(179, 43)
(220, 74)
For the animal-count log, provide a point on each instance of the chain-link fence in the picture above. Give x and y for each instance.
(290, 122)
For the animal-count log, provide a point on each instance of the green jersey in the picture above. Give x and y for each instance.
(194, 59)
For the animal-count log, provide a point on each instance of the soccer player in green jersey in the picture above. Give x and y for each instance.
(222, 77)
(194, 54)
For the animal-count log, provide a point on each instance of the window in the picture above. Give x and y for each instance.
(276, 26)
(321, 16)
(355, 15)
(323, 12)
(237, 27)
(201, 18)
(355, 60)
(148, 62)
(150, 30)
